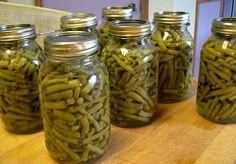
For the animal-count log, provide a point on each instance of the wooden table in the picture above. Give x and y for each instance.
(177, 135)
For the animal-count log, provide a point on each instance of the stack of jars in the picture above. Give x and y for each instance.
(88, 78)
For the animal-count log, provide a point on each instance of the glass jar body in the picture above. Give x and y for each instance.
(174, 46)
(74, 97)
(103, 33)
(216, 84)
(132, 64)
(20, 108)
(91, 29)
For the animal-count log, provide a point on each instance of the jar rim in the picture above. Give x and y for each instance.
(117, 12)
(171, 17)
(17, 32)
(224, 25)
(78, 20)
(70, 44)
(129, 28)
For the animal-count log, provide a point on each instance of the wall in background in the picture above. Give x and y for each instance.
(206, 13)
(174, 5)
(27, 2)
(89, 6)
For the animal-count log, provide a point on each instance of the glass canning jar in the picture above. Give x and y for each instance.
(110, 14)
(79, 22)
(74, 96)
(132, 64)
(20, 59)
(216, 91)
(174, 45)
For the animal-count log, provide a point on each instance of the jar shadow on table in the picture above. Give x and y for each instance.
(163, 107)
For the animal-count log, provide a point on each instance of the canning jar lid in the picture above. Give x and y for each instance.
(117, 12)
(17, 32)
(129, 28)
(224, 25)
(70, 44)
(171, 17)
(78, 20)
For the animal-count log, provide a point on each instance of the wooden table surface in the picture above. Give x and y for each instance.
(177, 135)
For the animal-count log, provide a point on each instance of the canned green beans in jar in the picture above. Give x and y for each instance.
(20, 60)
(74, 96)
(132, 63)
(216, 92)
(174, 45)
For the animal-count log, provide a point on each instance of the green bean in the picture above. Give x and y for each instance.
(48, 82)
(228, 112)
(219, 73)
(227, 51)
(22, 111)
(145, 114)
(67, 150)
(60, 95)
(65, 116)
(55, 104)
(141, 91)
(85, 124)
(95, 108)
(221, 91)
(123, 65)
(135, 117)
(225, 64)
(60, 125)
(91, 119)
(4, 64)
(61, 86)
(95, 149)
(64, 138)
(128, 110)
(216, 110)
(15, 116)
(214, 52)
(96, 136)
(216, 79)
(67, 132)
(208, 55)
(227, 96)
(130, 105)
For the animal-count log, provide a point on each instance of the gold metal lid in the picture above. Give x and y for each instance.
(117, 12)
(171, 17)
(224, 25)
(17, 32)
(78, 20)
(70, 44)
(129, 28)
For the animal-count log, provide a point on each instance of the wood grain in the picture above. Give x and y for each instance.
(176, 135)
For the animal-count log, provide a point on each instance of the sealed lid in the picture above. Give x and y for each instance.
(130, 28)
(70, 44)
(78, 20)
(171, 17)
(117, 12)
(226, 26)
(17, 32)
